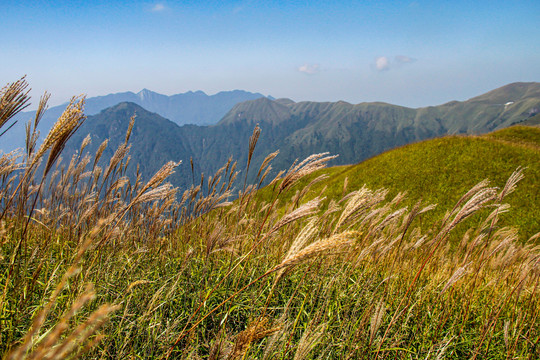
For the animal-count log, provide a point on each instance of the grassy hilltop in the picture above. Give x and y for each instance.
(439, 171)
(95, 264)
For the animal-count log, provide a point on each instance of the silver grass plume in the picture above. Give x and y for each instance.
(305, 235)
(307, 166)
(310, 338)
(13, 99)
(511, 183)
(376, 319)
(70, 120)
(458, 274)
(327, 246)
(306, 209)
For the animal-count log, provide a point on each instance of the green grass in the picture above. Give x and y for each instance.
(95, 266)
(439, 171)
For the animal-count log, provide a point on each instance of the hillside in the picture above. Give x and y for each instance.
(354, 132)
(440, 170)
(186, 108)
(357, 132)
(155, 141)
(98, 266)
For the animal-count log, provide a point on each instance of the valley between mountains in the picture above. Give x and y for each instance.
(297, 130)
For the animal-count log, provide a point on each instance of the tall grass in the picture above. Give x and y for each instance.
(94, 265)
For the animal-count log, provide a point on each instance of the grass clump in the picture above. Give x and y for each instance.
(96, 266)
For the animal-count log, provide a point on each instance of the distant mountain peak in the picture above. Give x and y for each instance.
(509, 93)
(146, 94)
(127, 106)
(261, 110)
(284, 101)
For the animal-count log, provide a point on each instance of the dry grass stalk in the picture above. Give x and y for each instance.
(99, 152)
(115, 160)
(511, 183)
(255, 331)
(310, 338)
(297, 171)
(158, 193)
(458, 274)
(14, 98)
(277, 338)
(83, 332)
(266, 162)
(479, 196)
(49, 341)
(8, 163)
(27, 341)
(70, 120)
(376, 319)
(252, 143)
(359, 201)
(300, 194)
(164, 172)
(305, 235)
(307, 209)
(32, 134)
(345, 185)
(86, 141)
(328, 246)
(130, 128)
(390, 219)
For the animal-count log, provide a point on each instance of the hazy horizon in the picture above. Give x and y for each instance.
(408, 53)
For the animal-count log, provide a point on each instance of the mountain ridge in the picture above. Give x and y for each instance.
(184, 108)
(354, 132)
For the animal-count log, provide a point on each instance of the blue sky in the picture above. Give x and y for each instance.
(413, 53)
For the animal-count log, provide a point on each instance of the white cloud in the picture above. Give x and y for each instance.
(309, 69)
(382, 63)
(158, 7)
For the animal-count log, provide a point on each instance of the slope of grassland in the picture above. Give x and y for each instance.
(97, 265)
(441, 170)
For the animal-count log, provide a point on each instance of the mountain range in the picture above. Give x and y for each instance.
(186, 108)
(355, 132)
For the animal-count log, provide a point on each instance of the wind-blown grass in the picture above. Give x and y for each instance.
(96, 266)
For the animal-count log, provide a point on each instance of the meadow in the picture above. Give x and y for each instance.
(96, 266)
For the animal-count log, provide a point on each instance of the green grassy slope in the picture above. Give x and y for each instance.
(532, 121)
(441, 170)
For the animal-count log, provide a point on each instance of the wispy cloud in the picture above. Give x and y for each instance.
(309, 69)
(402, 59)
(158, 7)
(384, 63)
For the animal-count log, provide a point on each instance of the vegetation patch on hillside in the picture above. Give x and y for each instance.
(440, 170)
